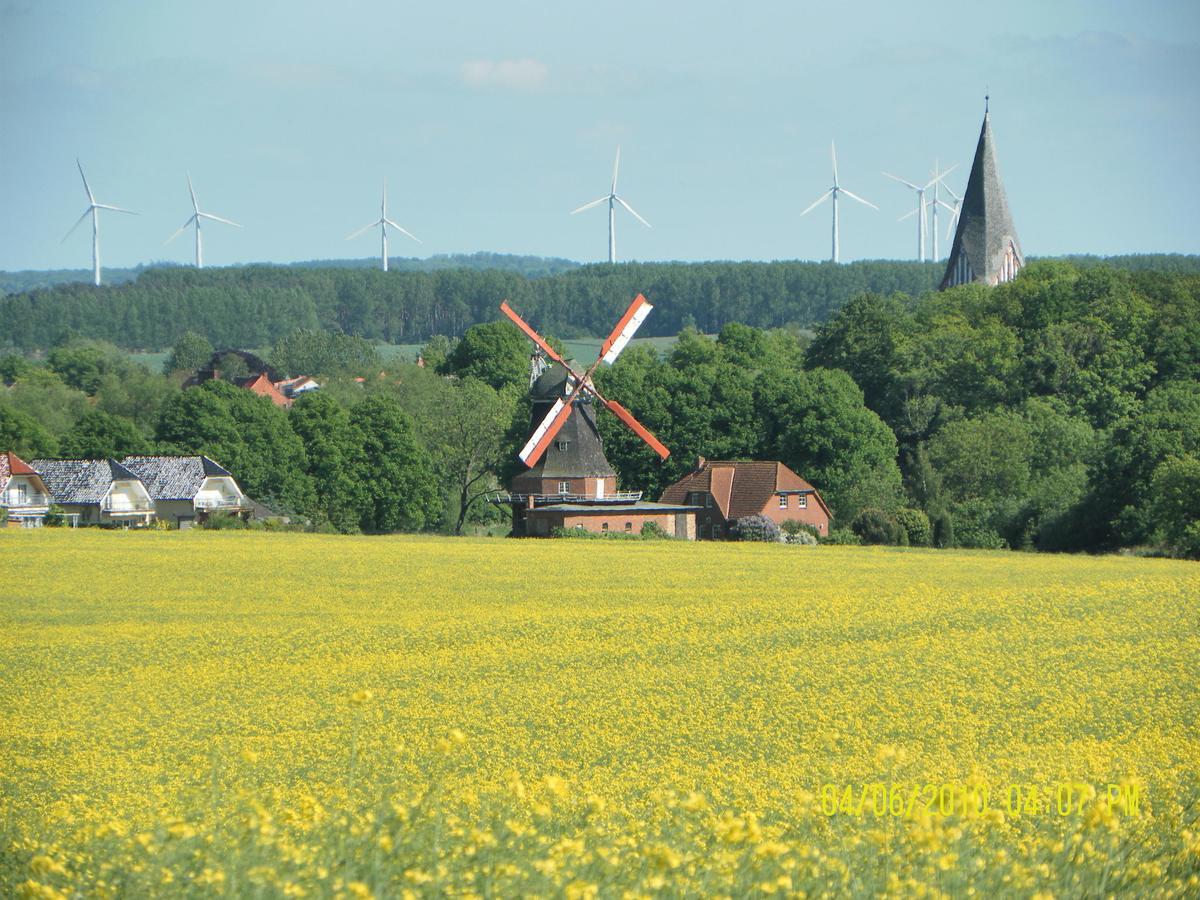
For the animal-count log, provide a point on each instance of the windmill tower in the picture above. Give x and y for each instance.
(985, 249)
(568, 482)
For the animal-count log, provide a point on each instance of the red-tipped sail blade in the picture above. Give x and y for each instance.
(545, 432)
(629, 324)
(532, 335)
(637, 428)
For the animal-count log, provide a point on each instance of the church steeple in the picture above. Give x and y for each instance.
(986, 249)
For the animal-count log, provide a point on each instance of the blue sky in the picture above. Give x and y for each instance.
(492, 121)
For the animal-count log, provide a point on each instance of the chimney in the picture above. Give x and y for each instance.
(701, 462)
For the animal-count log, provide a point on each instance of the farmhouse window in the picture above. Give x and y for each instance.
(564, 487)
(604, 526)
(802, 501)
(629, 526)
(708, 500)
(783, 501)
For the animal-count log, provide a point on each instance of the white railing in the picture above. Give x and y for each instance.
(549, 499)
(218, 503)
(123, 506)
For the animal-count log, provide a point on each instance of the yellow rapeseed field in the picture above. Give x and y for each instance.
(292, 715)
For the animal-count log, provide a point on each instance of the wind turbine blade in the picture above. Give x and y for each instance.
(182, 228)
(352, 235)
(632, 210)
(115, 208)
(532, 335)
(590, 205)
(191, 190)
(218, 219)
(637, 428)
(86, 187)
(616, 165)
(939, 176)
(950, 191)
(401, 230)
(911, 212)
(625, 329)
(858, 198)
(825, 196)
(952, 226)
(76, 225)
(902, 181)
(944, 205)
(833, 155)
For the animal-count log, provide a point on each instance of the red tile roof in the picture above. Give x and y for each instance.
(11, 464)
(261, 385)
(740, 487)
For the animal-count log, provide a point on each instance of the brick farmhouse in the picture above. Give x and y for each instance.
(730, 490)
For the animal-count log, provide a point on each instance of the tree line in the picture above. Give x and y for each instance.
(1058, 412)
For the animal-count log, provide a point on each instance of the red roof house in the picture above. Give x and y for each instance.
(262, 385)
(731, 490)
(22, 491)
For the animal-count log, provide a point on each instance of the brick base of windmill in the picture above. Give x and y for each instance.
(569, 483)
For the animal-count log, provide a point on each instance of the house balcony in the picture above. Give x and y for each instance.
(124, 507)
(218, 503)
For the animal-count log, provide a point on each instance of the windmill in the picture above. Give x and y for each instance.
(580, 385)
(93, 208)
(919, 211)
(612, 199)
(383, 222)
(834, 192)
(195, 218)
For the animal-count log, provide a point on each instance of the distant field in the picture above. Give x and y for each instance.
(251, 714)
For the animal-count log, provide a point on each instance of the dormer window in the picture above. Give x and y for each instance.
(564, 487)
(562, 445)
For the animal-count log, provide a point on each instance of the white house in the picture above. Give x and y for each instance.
(22, 492)
(98, 491)
(186, 489)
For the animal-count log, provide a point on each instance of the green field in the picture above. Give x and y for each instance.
(255, 714)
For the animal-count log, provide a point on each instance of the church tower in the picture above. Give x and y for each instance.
(986, 249)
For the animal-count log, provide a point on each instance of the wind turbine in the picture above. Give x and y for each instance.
(196, 217)
(383, 222)
(833, 192)
(93, 208)
(954, 210)
(920, 209)
(611, 198)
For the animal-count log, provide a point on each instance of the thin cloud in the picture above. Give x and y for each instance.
(526, 75)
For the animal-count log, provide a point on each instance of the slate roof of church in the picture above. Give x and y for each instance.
(985, 225)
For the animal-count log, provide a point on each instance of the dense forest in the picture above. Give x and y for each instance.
(1058, 412)
(254, 306)
(529, 266)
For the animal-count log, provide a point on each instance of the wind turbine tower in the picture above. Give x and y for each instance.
(195, 218)
(383, 222)
(920, 208)
(612, 199)
(833, 193)
(93, 209)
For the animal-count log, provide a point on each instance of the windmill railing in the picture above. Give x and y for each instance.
(508, 499)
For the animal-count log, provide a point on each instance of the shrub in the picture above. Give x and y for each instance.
(795, 526)
(878, 526)
(943, 530)
(802, 537)
(653, 531)
(755, 528)
(3, 514)
(974, 528)
(55, 518)
(223, 521)
(842, 536)
(916, 525)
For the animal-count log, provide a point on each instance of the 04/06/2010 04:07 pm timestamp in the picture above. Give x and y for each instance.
(880, 799)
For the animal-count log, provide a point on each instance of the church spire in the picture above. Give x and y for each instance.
(986, 249)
